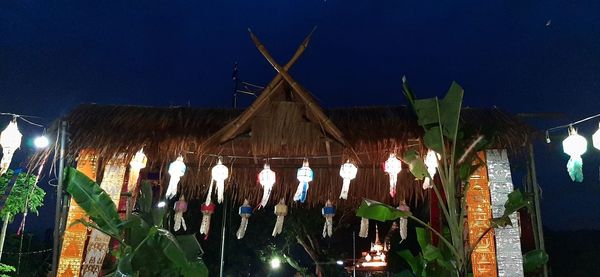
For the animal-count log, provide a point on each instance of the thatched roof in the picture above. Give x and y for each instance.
(370, 132)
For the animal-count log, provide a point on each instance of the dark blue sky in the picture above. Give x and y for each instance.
(57, 54)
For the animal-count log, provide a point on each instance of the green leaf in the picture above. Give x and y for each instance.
(124, 268)
(450, 108)
(404, 273)
(415, 265)
(422, 237)
(431, 253)
(145, 199)
(94, 201)
(378, 211)
(516, 201)
(534, 260)
(433, 139)
(416, 165)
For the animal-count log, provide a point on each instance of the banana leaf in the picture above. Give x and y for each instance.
(534, 260)
(94, 201)
(378, 211)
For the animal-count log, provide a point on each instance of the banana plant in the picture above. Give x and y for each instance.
(440, 120)
(145, 247)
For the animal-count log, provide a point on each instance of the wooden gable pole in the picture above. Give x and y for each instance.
(304, 95)
(229, 131)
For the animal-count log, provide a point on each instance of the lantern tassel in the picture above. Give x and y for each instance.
(266, 194)
(345, 189)
(205, 226)
(575, 168)
(172, 188)
(403, 228)
(364, 228)
(220, 190)
(242, 230)
(328, 227)
(278, 225)
(179, 222)
(427, 183)
(393, 180)
(301, 192)
(7, 155)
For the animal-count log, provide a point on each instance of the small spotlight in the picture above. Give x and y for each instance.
(275, 263)
(340, 262)
(161, 204)
(41, 142)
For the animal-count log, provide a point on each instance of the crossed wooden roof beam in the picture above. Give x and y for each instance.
(230, 131)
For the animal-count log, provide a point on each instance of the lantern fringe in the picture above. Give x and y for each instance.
(278, 225)
(7, 156)
(205, 226)
(393, 180)
(328, 227)
(242, 230)
(220, 190)
(427, 183)
(345, 189)
(266, 194)
(301, 192)
(575, 169)
(180, 222)
(403, 228)
(364, 228)
(172, 188)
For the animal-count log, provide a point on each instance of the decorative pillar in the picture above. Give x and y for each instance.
(508, 239)
(479, 215)
(75, 235)
(112, 184)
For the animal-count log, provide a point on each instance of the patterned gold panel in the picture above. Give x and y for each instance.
(479, 215)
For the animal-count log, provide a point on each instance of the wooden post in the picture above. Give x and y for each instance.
(539, 229)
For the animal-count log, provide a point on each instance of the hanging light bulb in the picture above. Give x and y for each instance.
(266, 178)
(392, 167)
(41, 142)
(348, 172)
(431, 162)
(596, 138)
(245, 212)
(176, 171)
(328, 212)
(10, 140)
(304, 175)
(575, 145)
(137, 163)
(281, 211)
(219, 174)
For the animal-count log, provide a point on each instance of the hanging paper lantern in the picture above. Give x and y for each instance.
(219, 173)
(176, 171)
(575, 146)
(266, 178)
(10, 140)
(364, 227)
(348, 173)
(328, 212)
(304, 175)
(596, 139)
(137, 163)
(180, 208)
(207, 211)
(281, 211)
(392, 167)
(431, 162)
(403, 220)
(245, 213)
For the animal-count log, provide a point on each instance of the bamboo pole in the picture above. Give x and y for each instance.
(304, 95)
(536, 203)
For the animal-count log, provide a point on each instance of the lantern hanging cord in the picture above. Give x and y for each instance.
(568, 125)
(23, 117)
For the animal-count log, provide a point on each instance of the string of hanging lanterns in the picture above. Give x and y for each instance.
(575, 145)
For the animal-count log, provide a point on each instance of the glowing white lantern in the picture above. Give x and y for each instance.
(41, 142)
(348, 173)
(266, 178)
(281, 211)
(245, 212)
(328, 212)
(219, 174)
(431, 162)
(596, 139)
(392, 167)
(137, 163)
(176, 171)
(304, 176)
(575, 145)
(10, 140)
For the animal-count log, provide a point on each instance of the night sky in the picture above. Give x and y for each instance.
(55, 55)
